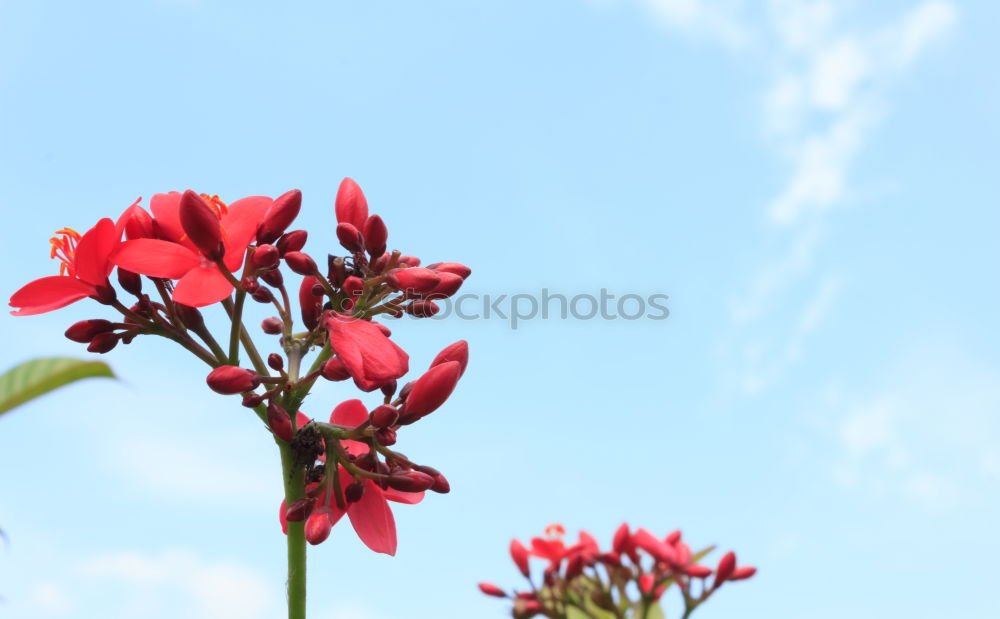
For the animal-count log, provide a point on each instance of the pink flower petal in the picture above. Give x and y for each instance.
(202, 286)
(351, 413)
(91, 259)
(156, 258)
(240, 224)
(49, 293)
(372, 520)
(166, 209)
(410, 498)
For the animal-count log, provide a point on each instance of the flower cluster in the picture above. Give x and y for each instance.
(193, 250)
(628, 580)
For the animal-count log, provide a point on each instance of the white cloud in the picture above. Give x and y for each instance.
(203, 589)
(50, 599)
(718, 20)
(919, 28)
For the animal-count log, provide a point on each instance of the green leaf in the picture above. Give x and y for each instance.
(37, 377)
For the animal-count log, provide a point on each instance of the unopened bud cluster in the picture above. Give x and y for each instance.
(626, 580)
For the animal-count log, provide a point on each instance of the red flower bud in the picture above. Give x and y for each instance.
(351, 206)
(375, 235)
(441, 485)
(272, 325)
(299, 510)
(520, 556)
(698, 571)
(742, 573)
(262, 294)
(459, 351)
(622, 540)
(190, 316)
(354, 492)
(410, 481)
(433, 388)
(85, 330)
(282, 213)
(103, 342)
(251, 400)
(449, 285)
(384, 416)
(410, 261)
(310, 303)
(318, 526)
(273, 277)
(350, 237)
(491, 589)
(275, 362)
(389, 388)
(292, 241)
(725, 568)
(416, 280)
(300, 263)
(280, 423)
(451, 267)
(334, 369)
(131, 282)
(385, 437)
(378, 264)
(407, 388)
(353, 286)
(201, 225)
(265, 257)
(230, 379)
(673, 537)
(422, 308)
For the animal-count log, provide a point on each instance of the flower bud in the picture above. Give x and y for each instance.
(622, 539)
(491, 589)
(410, 481)
(130, 282)
(292, 241)
(384, 416)
(272, 325)
(378, 264)
(451, 267)
(251, 400)
(416, 280)
(85, 330)
(280, 423)
(725, 568)
(281, 215)
(249, 284)
(138, 223)
(310, 303)
(459, 351)
(353, 286)
(441, 485)
(103, 342)
(422, 308)
(354, 492)
(410, 261)
(375, 236)
(407, 388)
(300, 263)
(673, 537)
(520, 556)
(299, 510)
(273, 277)
(265, 257)
(433, 388)
(230, 379)
(742, 573)
(449, 285)
(698, 571)
(385, 437)
(335, 370)
(275, 362)
(350, 237)
(201, 225)
(389, 388)
(262, 295)
(190, 316)
(351, 206)
(318, 526)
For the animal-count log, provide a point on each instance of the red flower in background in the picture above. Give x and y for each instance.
(175, 256)
(370, 515)
(85, 262)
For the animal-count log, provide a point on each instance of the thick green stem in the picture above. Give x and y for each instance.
(294, 490)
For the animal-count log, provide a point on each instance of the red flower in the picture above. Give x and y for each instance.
(85, 263)
(371, 358)
(370, 515)
(174, 256)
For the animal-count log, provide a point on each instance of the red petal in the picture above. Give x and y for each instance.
(202, 286)
(49, 293)
(91, 259)
(240, 224)
(410, 498)
(156, 258)
(372, 520)
(166, 209)
(351, 413)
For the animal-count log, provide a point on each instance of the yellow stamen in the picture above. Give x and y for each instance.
(63, 247)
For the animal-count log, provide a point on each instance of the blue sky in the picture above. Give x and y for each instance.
(809, 182)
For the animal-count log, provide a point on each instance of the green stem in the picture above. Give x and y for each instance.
(236, 316)
(294, 490)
